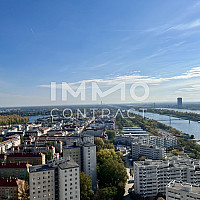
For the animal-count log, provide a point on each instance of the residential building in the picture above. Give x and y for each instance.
(27, 157)
(152, 176)
(34, 132)
(42, 182)
(160, 141)
(15, 170)
(96, 132)
(74, 151)
(69, 183)
(182, 191)
(9, 188)
(12, 141)
(89, 162)
(149, 151)
(85, 155)
(57, 180)
(133, 130)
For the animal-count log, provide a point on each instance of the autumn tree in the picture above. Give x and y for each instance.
(23, 191)
(111, 173)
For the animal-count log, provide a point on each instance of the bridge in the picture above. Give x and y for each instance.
(170, 119)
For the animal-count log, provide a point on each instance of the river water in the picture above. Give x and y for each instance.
(192, 128)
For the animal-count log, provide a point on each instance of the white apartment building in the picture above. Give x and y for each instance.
(152, 176)
(133, 130)
(182, 191)
(85, 155)
(57, 180)
(42, 182)
(12, 141)
(69, 183)
(89, 162)
(149, 151)
(160, 141)
(163, 141)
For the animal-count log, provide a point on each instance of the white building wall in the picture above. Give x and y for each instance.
(69, 183)
(42, 185)
(89, 163)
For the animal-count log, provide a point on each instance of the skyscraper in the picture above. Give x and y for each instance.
(179, 102)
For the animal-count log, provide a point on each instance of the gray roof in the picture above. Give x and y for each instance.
(39, 168)
(67, 165)
(62, 163)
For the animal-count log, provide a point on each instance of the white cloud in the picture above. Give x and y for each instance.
(191, 88)
(134, 78)
(186, 26)
(192, 73)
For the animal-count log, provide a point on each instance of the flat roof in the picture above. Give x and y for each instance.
(187, 187)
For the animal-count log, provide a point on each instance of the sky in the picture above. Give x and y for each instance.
(103, 41)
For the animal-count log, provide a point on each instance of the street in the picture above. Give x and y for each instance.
(128, 185)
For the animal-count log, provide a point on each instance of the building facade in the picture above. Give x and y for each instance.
(9, 188)
(85, 155)
(15, 170)
(74, 151)
(13, 141)
(42, 182)
(89, 162)
(179, 102)
(57, 180)
(149, 151)
(24, 157)
(160, 141)
(152, 176)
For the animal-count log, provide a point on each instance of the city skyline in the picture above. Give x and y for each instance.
(107, 42)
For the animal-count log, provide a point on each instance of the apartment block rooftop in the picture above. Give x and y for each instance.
(187, 187)
(62, 163)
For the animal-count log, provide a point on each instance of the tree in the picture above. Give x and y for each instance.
(49, 155)
(99, 143)
(108, 193)
(112, 173)
(110, 154)
(86, 187)
(23, 191)
(110, 134)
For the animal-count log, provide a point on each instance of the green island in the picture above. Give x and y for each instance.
(183, 115)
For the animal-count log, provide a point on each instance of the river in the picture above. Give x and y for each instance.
(192, 128)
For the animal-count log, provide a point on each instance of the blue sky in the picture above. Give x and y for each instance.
(107, 41)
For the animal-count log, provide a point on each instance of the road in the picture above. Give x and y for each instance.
(128, 185)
